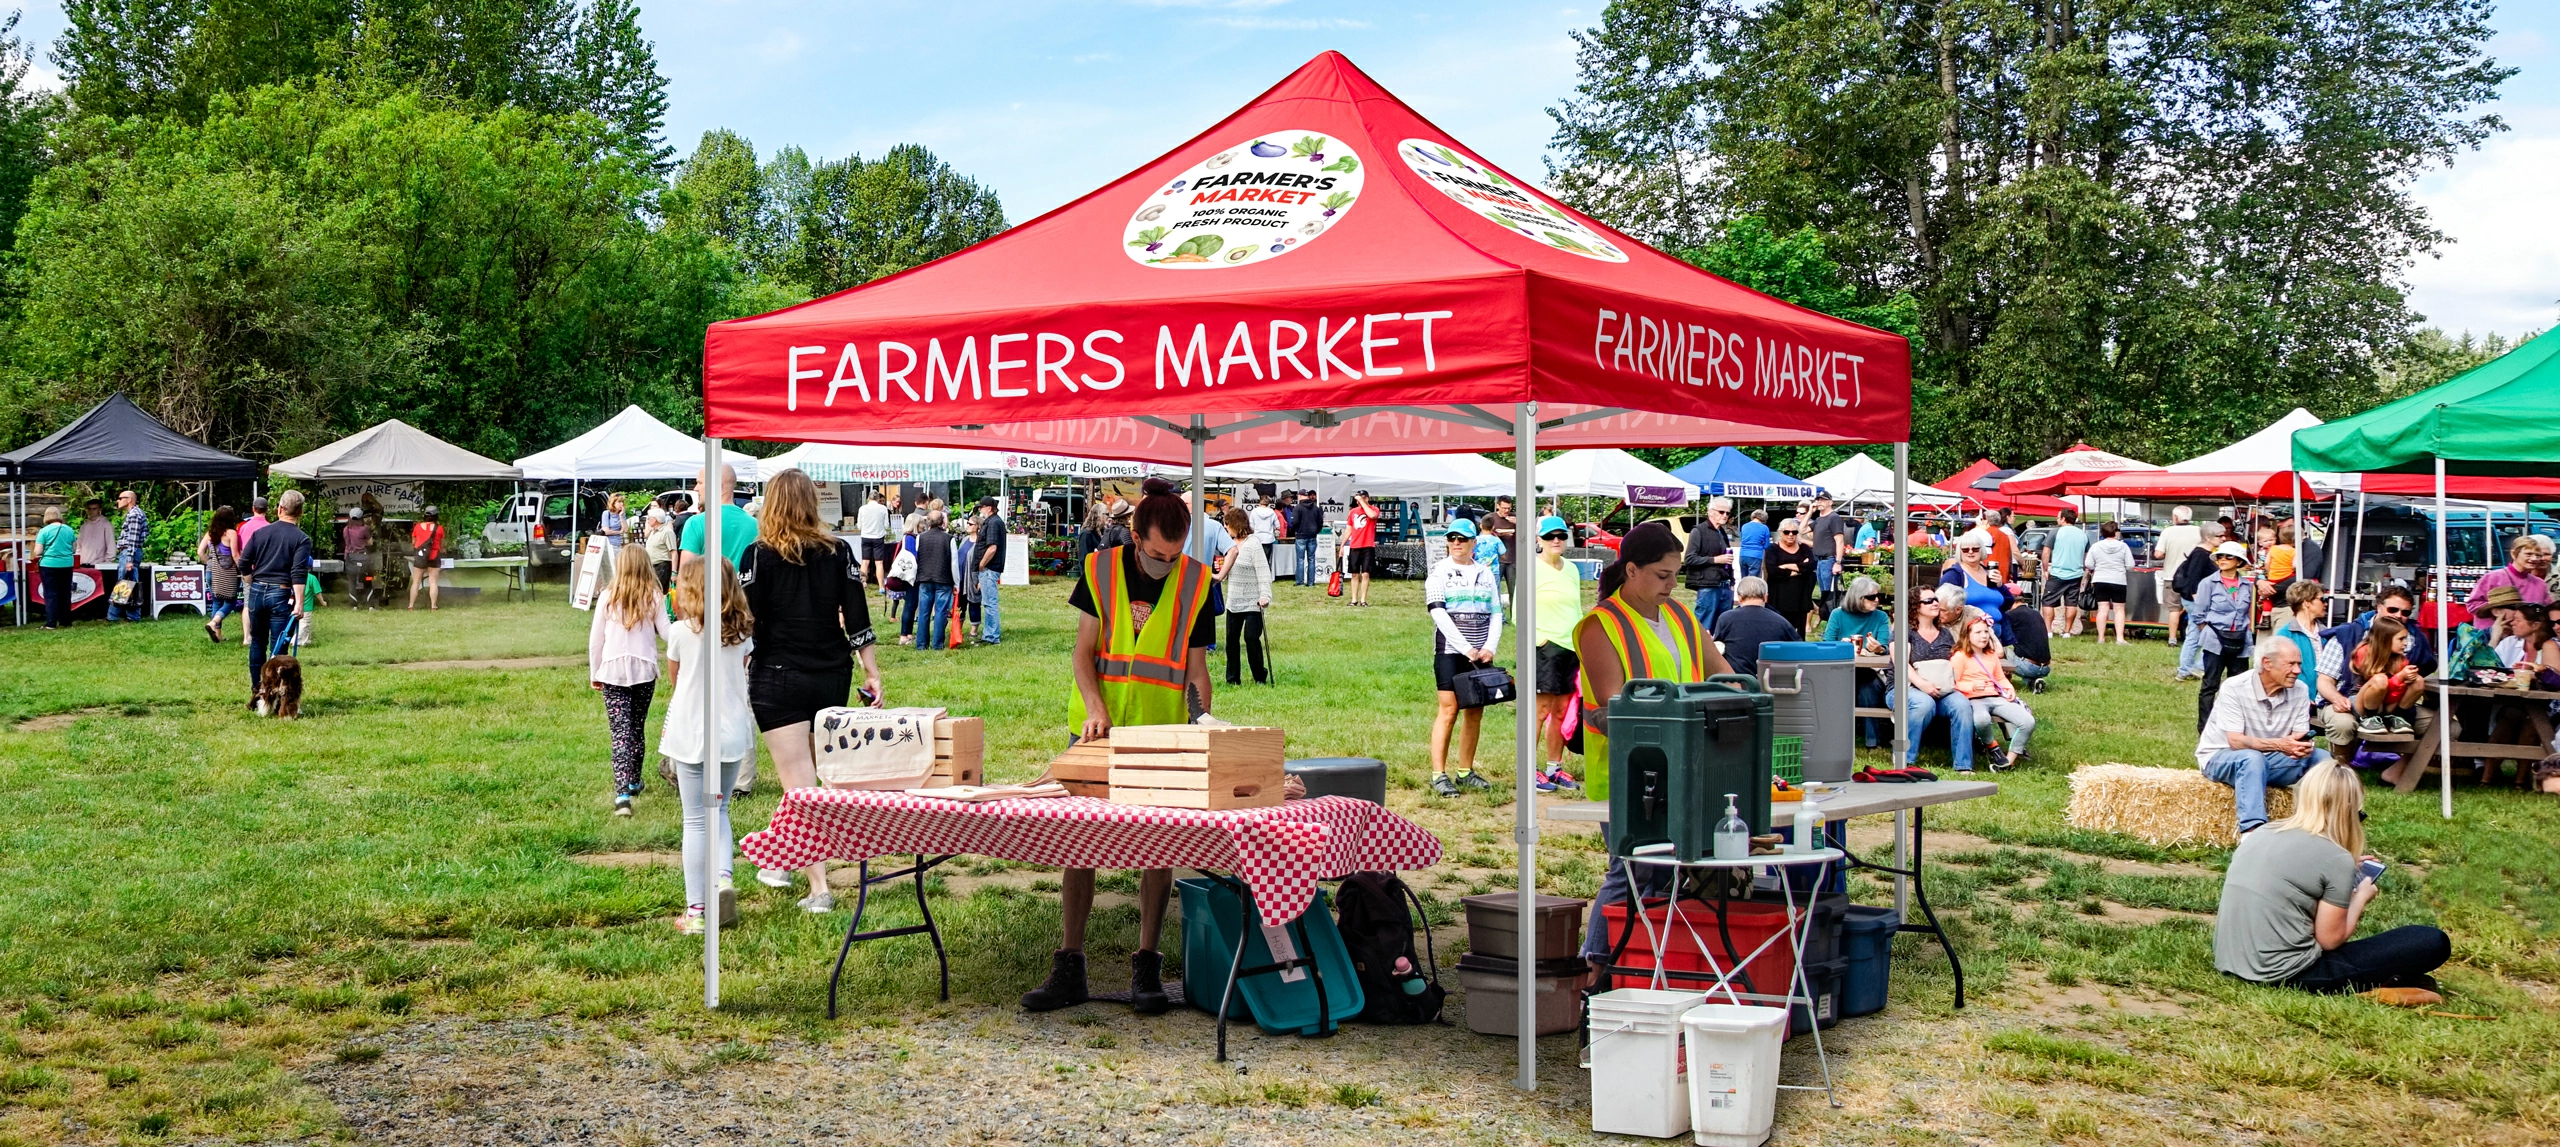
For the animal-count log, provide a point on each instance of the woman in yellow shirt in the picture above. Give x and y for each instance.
(1559, 607)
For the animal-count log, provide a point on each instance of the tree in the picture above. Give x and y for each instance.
(859, 220)
(2142, 222)
(720, 194)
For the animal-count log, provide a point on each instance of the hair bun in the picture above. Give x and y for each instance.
(1154, 486)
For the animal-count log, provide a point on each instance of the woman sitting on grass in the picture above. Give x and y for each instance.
(1982, 676)
(2388, 700)
(2295, 892)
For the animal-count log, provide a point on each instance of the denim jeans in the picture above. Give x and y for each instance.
(1874, 731)
(2249, 773)
(128, 568)
(706, 809)
(1750, 567)
(1306, 561)
(2190, 654)
(2025, 670)
(270, 619)
(1919, 707)
(933, 616)
(2401, 957)
(990, 616)
(1713, 600)
(907, 611)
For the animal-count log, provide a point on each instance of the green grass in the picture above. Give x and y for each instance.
(204, 903)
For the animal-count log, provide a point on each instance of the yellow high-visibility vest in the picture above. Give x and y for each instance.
(1641, 655)
(1142, 668)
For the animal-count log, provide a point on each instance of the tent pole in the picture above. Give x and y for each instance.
(1524, 653)
(2444, 654)
(1199, 486)
(2355, 554)
(1901, 653)
(703, 664)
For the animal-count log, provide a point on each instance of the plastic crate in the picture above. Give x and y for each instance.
(1786, 759)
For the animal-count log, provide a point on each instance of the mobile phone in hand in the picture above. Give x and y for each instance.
(2370, 870)
(869, 698)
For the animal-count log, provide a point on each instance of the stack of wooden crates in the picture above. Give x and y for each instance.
(1196, 766)
(1085, 768)
(959, 752)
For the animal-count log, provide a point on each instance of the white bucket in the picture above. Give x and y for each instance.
(1733, 1081)
(1639, 1065)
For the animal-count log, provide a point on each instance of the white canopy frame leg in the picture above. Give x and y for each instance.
(2355, 558)
(703, 664)
(2444, 656)
(1901, 656)
(1524, 645)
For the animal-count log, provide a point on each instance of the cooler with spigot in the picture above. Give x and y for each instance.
(1675, 749)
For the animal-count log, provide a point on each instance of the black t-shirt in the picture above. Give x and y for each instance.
(810, 616)
(990, 552)
(1204, 632)
(1825, 529)
(2027, 635)
(278, 554)
(1742, 631)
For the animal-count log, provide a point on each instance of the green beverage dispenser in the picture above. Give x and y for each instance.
(1675, 749)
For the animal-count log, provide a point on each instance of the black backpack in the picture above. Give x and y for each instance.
(1378, 931)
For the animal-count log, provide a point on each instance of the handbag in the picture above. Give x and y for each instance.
(1333, 585)
(1478, 688)
(902, 572)
(123, 593)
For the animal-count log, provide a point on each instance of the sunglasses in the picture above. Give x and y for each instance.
(2388, 611)
(1787, 533)
(1557, 537)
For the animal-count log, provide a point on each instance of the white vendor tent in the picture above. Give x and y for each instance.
(1386, 475)
(632, 446)
(1863, 479)
(2267, 451)
(395, 452)
(1604, 473)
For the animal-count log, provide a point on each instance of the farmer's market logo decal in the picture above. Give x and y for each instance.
(1251, 203)
(1507, 205)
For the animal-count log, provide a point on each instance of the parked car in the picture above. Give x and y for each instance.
(1593, 534)
(542, 520)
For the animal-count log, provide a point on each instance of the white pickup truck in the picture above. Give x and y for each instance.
(541, 520)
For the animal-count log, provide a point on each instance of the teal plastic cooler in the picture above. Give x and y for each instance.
(1675, 749)
(1212, 918)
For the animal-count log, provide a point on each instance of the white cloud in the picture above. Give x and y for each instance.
(2501, 271)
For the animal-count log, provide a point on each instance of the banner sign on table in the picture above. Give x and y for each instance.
(1763, 490)
(87, 585)
(180, 585)
(1657, 495)
(396, 497)
(1075, 467)
(591, 565)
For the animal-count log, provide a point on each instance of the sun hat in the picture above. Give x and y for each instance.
(2231, 550)
(2505, 597)
(1461, 528)
(1552, 524)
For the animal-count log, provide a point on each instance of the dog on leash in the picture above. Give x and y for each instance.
(280, 687)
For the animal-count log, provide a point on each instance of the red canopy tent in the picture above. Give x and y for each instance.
(2171, 485)
(1322, 273)
(2082, 465)
(2031, 505)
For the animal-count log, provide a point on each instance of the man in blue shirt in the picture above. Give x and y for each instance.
(2065, 553)
(737, 528)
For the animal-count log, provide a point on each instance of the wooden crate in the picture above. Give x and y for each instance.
(1238, 740)
(1196, 766)
(1244, 796)
(1098, 790)
(1088, 763)
(959, 752)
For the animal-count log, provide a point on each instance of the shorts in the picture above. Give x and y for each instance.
(1445, 668)
(1559, 669)
(783, 697)
(875, 549)
(2061, 591)
(2107, 592)
(428, 564)
(1358, 559)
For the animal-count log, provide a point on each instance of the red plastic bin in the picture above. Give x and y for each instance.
(1772, 971)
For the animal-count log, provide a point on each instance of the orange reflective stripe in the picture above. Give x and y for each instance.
(1620, 628)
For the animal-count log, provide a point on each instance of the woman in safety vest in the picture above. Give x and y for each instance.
(1144, 636)
(1638, 631)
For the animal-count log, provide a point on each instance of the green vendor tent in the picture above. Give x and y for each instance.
(2498, 419)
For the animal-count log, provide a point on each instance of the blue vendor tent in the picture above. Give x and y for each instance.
(1733, 474)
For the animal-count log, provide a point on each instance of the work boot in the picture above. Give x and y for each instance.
(1065, 987)
(1146, 984)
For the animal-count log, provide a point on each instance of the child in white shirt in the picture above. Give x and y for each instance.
(681, 739)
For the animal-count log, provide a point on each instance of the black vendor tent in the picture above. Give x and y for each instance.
(117, 441)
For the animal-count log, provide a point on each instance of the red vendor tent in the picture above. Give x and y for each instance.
(2081, 465)
(1322, 273)
(2030, 505)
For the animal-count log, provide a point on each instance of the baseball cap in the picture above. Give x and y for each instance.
(1461, 528)
(1552, 524)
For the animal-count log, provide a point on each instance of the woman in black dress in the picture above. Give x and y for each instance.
(1788, 566)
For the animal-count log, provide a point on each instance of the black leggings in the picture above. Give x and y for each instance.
(1244, 631)
(57, 596)
(2401, 957)
(2216, 667)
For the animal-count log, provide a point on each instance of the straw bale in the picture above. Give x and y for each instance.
(2161, 806)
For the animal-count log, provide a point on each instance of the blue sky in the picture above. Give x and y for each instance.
(1046, 100)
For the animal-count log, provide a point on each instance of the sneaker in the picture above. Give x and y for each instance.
(1441, 785)
(774, 877)
(2398, 725)
(1563, 779)
(818, 904)
(1542, 783)
(741, 792)
(1469, 781)
(2372, 726)
(690, 923)
(622, 806)
(1994, 756)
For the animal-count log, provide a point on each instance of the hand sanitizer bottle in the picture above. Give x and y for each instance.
(1809, 827)
(1733, 836)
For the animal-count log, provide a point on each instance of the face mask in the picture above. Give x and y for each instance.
(1152, 566)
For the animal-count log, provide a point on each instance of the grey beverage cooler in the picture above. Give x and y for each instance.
(1815, 687)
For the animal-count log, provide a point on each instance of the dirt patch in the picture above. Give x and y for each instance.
(2053, 1002)
(497, 663)
(51, 722)
(2121, 914)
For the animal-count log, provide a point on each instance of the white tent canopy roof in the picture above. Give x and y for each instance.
(1603, 473)
(1388, 475)
(631, 446)
(1863, 479)
(396, 452)
(2269, 451)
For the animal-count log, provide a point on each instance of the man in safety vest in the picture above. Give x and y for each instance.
(1143, 639)
(1638, 631)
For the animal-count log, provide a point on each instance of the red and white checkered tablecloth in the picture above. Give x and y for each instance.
(1279, 852)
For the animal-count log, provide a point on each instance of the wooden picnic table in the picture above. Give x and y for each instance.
(2537, 711)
